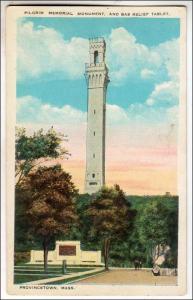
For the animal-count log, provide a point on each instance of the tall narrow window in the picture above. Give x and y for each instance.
(92, 80)
(94, 111)
(94, 133)
(100, 78)
(93, 175)
(93, 155)
(96, 57)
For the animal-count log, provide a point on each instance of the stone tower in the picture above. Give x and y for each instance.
(97, 80)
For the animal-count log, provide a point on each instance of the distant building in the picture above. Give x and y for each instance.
(97, 80)
(168, 194)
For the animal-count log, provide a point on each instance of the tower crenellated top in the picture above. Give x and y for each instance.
(96, 71)
(97, 40)
(97, 48)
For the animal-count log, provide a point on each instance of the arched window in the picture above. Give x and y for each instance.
(96, 57)
(100, 78)
(92, 82)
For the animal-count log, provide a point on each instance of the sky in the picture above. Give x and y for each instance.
(142, 55)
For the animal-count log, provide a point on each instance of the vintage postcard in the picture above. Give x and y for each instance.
(96, 150)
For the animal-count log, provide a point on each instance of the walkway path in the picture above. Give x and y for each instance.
(131, 277)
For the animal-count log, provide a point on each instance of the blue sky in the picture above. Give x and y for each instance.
(133, 78)
(149, 31)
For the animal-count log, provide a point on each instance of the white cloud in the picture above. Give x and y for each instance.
(150, 101)
(140, 125)
(169, 52)
(137, 125)
(139, 115)
(126, 57)
(31, 110)
(164, 93)
(147, 74)
(116, 114)
(44, 50)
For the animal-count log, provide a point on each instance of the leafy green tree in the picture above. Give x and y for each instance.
(23, 238)
(172, 255)
(51, 209)
(31, 151)
(111, 218)
(88, 242)
(123, 252)
(137, 249)
(153, 227)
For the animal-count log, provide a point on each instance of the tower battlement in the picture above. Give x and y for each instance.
(98, 44)
(97, 40)
(97, 48)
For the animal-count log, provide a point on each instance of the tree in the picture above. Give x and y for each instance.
(153, 228)
(82, 204)
(23, 238)
(51, 209)
(172, 255)
(111, 217)
(31, 151)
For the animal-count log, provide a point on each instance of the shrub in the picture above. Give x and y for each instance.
(21, 257)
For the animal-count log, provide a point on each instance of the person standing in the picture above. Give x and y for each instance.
(136, 264)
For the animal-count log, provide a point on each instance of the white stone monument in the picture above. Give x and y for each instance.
(71, 252)
(97, 80)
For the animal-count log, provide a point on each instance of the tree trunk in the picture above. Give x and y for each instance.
(106, 253)
(45, 247)
(108, 247)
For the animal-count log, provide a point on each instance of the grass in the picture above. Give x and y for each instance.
(39, 272)
(27, 273)
(54, 265)
(59, 270)
(27, 278)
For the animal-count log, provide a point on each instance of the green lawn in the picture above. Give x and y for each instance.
(50, 270)
(27, 273)
(27, 278)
